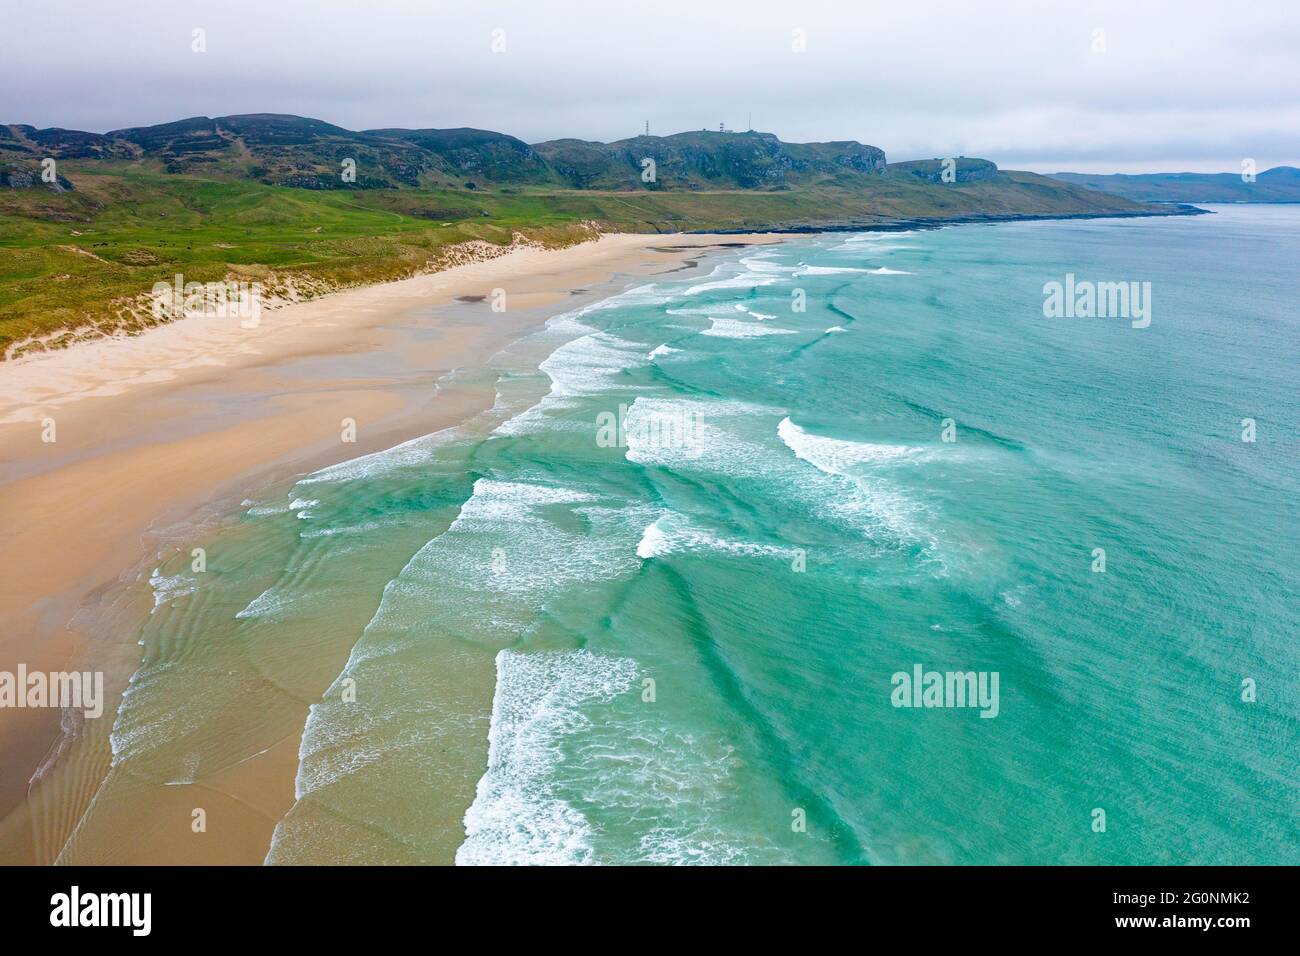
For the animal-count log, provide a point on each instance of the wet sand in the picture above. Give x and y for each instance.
(155, 432)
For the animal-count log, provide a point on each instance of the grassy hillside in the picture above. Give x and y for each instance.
(1279, 184)
(292, 151)
(963, 170)
(259, 197)
(707, 159)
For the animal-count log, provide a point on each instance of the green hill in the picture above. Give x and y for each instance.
(308, 154)
(262, 197)
(292, 151)
(708, 159)
(1279, 184)
(964, 170)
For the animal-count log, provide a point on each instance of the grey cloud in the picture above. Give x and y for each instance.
(1195, 85)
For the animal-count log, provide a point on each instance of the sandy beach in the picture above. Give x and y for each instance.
(165, 430)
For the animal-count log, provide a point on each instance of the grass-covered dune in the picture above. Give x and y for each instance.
(260, 198)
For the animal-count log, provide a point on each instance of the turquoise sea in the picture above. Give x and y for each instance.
(666, 582)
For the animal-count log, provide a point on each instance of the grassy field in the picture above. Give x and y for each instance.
(67, 258)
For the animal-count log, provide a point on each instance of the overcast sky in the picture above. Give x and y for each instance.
(1191, 85)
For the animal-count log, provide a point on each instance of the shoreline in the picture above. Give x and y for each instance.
(473, 255)
(171, 427)
(900, 225)
(153, 432)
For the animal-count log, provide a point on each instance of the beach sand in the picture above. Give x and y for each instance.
(157, 432)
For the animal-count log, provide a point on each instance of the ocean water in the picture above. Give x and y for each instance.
(649, 609)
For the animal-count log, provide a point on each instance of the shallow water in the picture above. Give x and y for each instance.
(648, 608)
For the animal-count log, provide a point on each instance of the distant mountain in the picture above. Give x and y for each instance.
(294, 151)
(471, 154)
(264, 196)
(283, 150)
(1279, 184)
(275, 149)
(708, 160)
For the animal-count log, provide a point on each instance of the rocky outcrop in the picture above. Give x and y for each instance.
(23, 176)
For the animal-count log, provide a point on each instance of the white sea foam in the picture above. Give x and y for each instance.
(838, 456)
(714, 308)
(340, 529)
(745, 280)
(138, 729)
(498, 562)
(659, 350)
(564, 725)
(711, 448)
(763, 264)
(588, 362)
(761, 316)
(334, 745)
(303, 506)
(672, 532)
(654, 542)
(266, 604)
(855, 246)
(409, 454)
(666, 847)
(737, 329)
(587, 365)
(495, 502)
(857, 464)
(839, 270)
(649, 294)
(517, 816)
(836, 328)
(513, 546)
(167, 589)
(827, 270)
